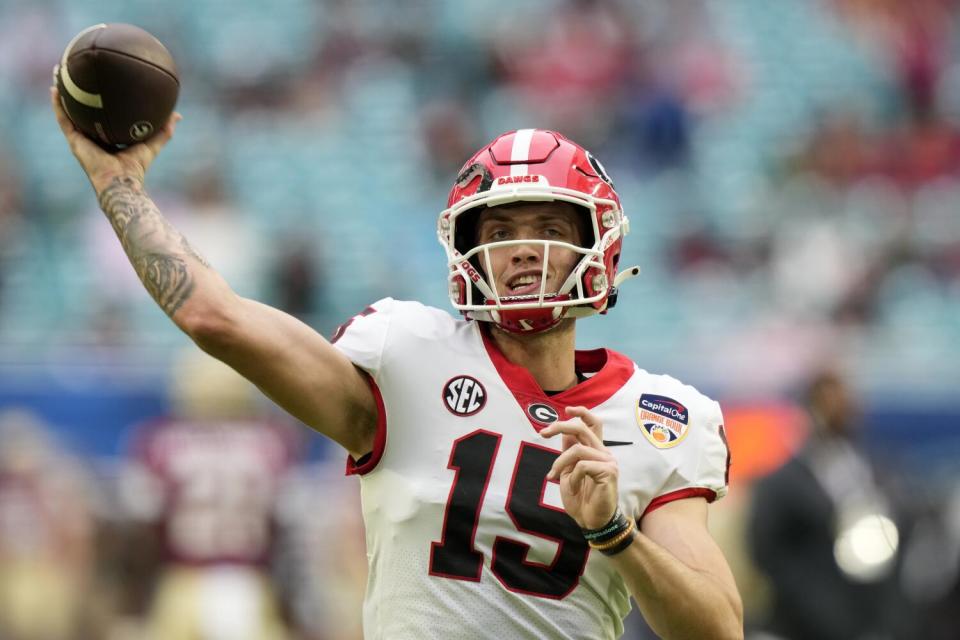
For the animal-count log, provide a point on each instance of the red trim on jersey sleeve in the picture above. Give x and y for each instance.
(611, 371)
(726, 473)
(679, 494)
(342, 329)
(367, 462)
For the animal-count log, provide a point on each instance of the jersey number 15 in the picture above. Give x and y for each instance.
(455, 556)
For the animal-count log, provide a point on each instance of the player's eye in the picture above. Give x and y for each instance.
(554, 232)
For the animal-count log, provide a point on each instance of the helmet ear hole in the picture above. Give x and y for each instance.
(585, 227)
(465, 237)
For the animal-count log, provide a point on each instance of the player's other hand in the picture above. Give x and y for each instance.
(587, 471)
(102, 166)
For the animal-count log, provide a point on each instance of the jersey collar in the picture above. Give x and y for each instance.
(610, 370)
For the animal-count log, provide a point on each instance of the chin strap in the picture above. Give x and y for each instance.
(622, 277)
(528, 320)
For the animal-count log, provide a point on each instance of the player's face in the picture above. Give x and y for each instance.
(517, 269)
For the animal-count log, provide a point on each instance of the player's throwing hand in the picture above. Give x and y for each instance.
(101, 166)
(587, 472)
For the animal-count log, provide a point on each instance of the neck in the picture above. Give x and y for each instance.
(548, 356)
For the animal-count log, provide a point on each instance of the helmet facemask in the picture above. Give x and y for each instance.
(533, 166)
(483, 299)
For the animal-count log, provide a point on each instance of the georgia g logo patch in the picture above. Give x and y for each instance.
(663, 420)
(542, 413)
(464, 396)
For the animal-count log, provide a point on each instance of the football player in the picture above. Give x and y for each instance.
(205, 482)
(512, 486)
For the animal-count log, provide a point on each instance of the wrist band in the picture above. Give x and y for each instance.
(615, 541)
(613, 537)
(617, 524)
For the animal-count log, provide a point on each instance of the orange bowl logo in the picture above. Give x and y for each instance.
(661, 436)
(663, 420)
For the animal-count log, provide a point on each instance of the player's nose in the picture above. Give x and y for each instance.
(525, 253)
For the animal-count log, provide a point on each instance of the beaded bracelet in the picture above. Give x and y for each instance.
(623, 540)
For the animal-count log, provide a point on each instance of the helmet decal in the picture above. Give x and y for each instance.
(601, 172)
(472, 171)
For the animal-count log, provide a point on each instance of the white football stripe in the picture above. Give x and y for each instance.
(83, 97)
(521, 151)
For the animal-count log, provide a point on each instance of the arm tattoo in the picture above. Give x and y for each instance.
(159, 253)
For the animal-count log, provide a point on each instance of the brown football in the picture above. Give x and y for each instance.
(117, 83)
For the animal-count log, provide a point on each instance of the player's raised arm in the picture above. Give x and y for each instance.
(285, 358)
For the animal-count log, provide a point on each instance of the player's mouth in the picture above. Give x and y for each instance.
(524, 284)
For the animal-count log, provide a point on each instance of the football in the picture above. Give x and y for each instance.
(117, 83)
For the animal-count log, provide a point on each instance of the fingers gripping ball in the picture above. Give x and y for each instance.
(117, 83)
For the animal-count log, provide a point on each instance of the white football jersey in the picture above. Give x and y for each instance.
(465, 536)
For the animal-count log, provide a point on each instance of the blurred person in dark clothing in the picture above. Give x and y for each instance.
(820, 528)
(297, 277)
(931, 560)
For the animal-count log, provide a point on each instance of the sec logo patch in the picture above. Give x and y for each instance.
(464, 396)
(663, 420)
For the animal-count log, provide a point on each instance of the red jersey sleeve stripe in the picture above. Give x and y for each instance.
(680, 494)
(367, 463)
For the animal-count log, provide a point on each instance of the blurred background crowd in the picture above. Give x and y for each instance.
(791, 170)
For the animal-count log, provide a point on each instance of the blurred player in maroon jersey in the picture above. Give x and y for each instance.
(208, 478)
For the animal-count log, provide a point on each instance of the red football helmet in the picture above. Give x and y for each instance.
(534, 165)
